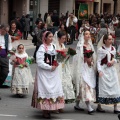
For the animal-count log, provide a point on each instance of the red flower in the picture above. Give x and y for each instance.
(0, 47)
(55, 63)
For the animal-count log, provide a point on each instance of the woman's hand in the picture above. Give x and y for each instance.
(54, 67)
(109, 64)
(24, 64)
(100, 74)
(15, 60)
(65, 50)
(88, 60)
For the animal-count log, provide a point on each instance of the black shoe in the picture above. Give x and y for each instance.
(20, 95)
(116, 112)
(91, 112)
(0, 98)
(119, 116)
(102, 111)
(78, 108)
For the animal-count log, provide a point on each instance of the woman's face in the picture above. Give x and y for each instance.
(109, 41)
(13, 26)
(87, 35)
(62, 27)
(39, 24)
(49, 38)
(62, 39)
(20, 49)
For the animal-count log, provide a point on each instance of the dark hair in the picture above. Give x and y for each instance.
(60, 34)
(2, 26)
(37, 22)
(47, 34)
(85, 31)
(42, 25)
(13, 22)
(105, 38)
(20, 45)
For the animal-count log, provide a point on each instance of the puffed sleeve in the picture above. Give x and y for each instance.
(99, 58)
(40, 59)
(9, 43)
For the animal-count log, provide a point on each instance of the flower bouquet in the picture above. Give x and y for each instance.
(88, 53)
(11, 53)
(117, 56)
(71, 52)
(88, 57)
(30, 60)
(61, 55)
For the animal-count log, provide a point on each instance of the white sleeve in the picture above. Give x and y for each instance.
(40, 59)
(75, 20)
(67, 23)
(9, 43)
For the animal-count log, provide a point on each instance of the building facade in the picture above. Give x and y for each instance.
(12, 8)
(16, 8)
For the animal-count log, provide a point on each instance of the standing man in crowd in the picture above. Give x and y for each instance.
(71, 25)
(5, 46)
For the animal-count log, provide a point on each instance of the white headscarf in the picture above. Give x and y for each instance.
(23, 55)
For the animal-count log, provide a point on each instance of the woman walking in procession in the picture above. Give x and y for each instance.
(64, 69)
(48, 93)
(108, 88)
(84, 72)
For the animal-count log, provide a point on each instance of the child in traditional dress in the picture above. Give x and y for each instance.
(22, 76)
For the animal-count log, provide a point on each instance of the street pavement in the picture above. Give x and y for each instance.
(13, 108)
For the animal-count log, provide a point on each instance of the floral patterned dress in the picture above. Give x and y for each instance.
(87, 93)
(22, 76)
(48, 93)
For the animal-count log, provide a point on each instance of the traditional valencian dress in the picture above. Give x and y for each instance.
(108, 88)
(22, 77)
(66, 77)
(84, 75)
(48, 93)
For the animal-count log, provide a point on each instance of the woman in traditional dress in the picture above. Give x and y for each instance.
(84, 75)
(15, 34)
(22, 76)
(65, 71)
(48, 93)
(108, 88)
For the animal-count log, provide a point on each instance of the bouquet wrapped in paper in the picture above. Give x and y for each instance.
(71, 52)
(30, 60)
(61, 55)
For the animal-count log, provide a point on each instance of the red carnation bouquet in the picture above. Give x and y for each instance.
(61, 55)
(88, 53)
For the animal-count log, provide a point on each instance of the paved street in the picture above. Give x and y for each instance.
(13, 108)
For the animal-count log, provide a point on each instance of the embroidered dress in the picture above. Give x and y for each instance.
(66, 76)
(87, 93)
(84, 76)
(108, 88)
(22, 77)
(48, 93)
